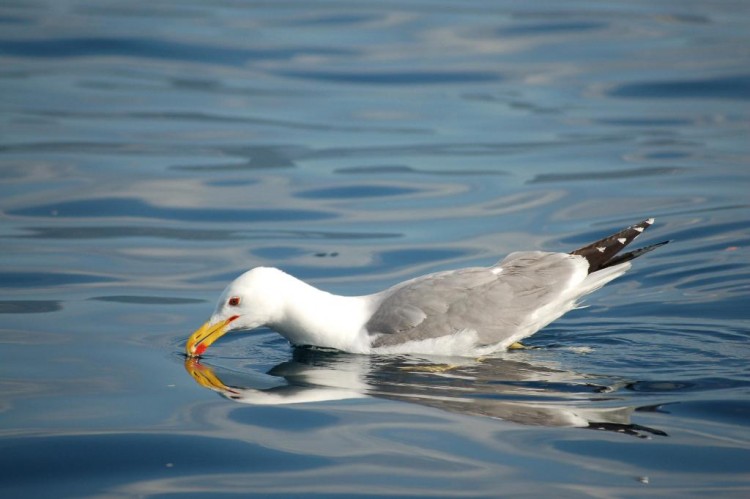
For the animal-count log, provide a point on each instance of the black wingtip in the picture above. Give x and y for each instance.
(604, 252)
(633, 254)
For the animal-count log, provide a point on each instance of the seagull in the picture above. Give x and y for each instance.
(471, 311)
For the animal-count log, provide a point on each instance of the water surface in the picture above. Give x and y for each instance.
(152, 151)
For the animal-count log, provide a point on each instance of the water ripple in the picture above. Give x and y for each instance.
(606, 174)
(34, 280)
(29, 306)
(423, 77)
(147, 300)
(194, 234)
(733, 87)
(356, 191)
(146, 48)
(137, 208)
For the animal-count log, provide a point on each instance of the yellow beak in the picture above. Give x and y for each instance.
(205, 335)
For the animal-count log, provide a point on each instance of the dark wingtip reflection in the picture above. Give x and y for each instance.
(634, 430)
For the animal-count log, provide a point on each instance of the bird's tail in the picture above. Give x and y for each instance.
(604, 252)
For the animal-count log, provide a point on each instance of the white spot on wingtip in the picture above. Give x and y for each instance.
(639, 229)
(601, 249)
(650, 221)
(621, 240)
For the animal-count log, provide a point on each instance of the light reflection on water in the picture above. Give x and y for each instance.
(357, 147)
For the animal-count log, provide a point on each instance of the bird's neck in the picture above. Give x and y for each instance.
(310, 316)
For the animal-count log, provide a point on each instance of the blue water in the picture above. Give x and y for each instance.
(152, 151)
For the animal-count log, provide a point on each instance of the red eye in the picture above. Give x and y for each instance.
(234, 301)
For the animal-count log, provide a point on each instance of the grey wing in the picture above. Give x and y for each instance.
(496, 302)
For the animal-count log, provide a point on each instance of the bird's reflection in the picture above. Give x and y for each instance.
(501, 388)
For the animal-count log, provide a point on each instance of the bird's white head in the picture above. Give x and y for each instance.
(252, 300)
